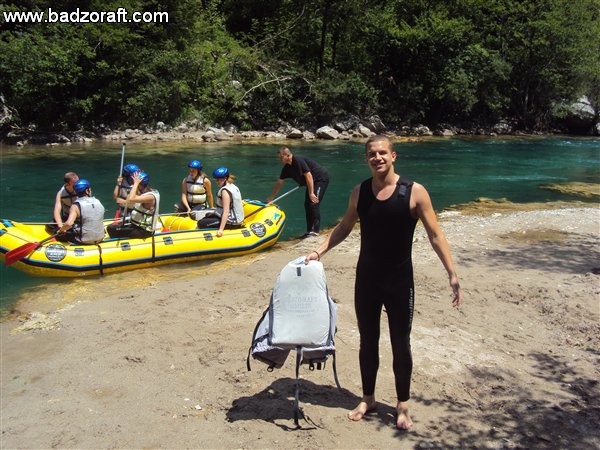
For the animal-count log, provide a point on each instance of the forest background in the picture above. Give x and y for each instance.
(263, 64)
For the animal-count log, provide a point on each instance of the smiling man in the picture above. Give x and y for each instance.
(389, 207)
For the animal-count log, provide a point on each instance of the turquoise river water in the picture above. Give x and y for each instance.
(455, 171)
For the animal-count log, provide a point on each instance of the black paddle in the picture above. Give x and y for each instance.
(295, 188)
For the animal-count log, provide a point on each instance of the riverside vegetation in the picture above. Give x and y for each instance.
(263, 65)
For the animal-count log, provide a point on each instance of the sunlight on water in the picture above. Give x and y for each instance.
(455, 171)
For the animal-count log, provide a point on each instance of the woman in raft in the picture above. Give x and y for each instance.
(229, 211)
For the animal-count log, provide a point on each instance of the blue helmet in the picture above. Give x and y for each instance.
(130, 169)
(144, 178)
(221, 172)
(81, 186)
(195, 164)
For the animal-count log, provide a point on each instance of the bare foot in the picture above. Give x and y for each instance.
(366, 405)
(403, 421)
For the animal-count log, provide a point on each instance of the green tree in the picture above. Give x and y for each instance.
(546, 45)
(264, 63)
(40, 75)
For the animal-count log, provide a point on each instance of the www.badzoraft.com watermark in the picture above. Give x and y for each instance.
(121, 15)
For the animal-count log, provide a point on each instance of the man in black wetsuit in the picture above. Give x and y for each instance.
(305, 172)
(388, 207)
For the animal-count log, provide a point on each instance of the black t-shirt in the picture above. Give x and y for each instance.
(300, 166)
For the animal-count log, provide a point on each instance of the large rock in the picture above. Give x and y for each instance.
(346, 123)
(422, 130)
(327, 133)
(445, 132)
(364, 131)
(274, 135)
(294, 133)
(218, 134)
(209, 136)
(374, 123)
(8, 116)
(578, 117)
(502, 127)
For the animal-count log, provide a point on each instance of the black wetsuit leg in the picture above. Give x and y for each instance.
(368, 314)
(400, 311)
(399, 308)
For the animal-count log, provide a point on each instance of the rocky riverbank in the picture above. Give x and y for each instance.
(195, 131)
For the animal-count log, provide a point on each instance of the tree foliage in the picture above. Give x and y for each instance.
(265, 63)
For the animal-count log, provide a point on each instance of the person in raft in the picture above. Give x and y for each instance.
(229, 212)
(143, 201)
(388, 207)
(196, 190)
(309, 173)
(85, 224)
(123, 187)
(63, 201)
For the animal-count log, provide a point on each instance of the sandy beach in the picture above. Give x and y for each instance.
(157, 358)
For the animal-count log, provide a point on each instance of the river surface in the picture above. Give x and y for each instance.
(455, 171)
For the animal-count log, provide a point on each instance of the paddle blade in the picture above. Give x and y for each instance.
(19, 253)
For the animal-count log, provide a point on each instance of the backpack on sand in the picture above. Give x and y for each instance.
(301, 316)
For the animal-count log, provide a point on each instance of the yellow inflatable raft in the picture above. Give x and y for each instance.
(179, 241)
